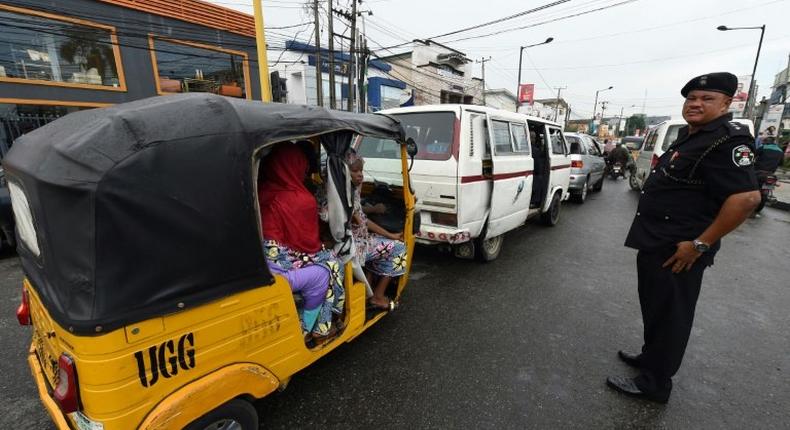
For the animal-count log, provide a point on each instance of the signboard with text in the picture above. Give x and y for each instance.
(526, 93)
(772, 118)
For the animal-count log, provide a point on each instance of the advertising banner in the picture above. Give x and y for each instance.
(738, 106)
(772, 118)
(526, 93)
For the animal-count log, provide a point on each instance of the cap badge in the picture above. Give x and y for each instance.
(703, 80)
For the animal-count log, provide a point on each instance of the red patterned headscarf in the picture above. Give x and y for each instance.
(289, 212)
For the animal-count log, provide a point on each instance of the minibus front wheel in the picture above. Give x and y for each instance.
(236, 414)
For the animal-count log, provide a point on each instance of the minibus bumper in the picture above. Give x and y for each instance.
(432, 234)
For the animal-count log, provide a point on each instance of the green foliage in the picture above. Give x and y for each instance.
(633, 123)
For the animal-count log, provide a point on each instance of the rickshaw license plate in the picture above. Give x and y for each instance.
(45, 358)
(85, 423)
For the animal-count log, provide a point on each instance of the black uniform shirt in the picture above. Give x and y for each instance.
(687, 187)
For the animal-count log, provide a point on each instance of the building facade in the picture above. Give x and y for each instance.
(295, 66)
(501, 99)
(60, 56)
(437, 73)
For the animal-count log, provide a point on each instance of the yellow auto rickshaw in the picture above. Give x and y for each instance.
(146, 286)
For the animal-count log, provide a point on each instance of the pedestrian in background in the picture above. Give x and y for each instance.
(701, 189)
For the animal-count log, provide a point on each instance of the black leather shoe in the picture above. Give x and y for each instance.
(632, 360)
(628, 386)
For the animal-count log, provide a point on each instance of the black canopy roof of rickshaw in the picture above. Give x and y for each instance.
(149, 207)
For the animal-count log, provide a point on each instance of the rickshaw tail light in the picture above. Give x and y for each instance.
(577, 164)
(23, 311)
(65, 394)
(654, 161)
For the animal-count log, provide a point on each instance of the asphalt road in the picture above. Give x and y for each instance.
(527, 340)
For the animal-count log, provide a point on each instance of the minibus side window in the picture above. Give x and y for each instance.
(520, 141)
(671, 137)
(502, 143)
(557, 143)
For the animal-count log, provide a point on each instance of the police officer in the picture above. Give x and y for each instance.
(702, 188)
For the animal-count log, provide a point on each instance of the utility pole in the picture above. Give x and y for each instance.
(483, 61)
(362, 82)
(352, 56)
(319, 78)
(557, 105)
(330, 30)
(603, 110)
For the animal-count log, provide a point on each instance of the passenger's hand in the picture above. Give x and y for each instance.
(396, 236)
(378, 208)
(683, 258)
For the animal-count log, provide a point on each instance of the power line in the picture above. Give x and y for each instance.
(496, 21)
(561, 18)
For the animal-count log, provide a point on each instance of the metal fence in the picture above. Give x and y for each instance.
(14, 125)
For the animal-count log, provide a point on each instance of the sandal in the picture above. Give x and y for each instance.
(390, 306)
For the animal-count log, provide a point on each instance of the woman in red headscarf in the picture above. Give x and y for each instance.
(289, 219)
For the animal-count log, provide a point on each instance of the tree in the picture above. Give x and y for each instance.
(636, 121)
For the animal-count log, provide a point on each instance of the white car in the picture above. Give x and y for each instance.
(657, 141)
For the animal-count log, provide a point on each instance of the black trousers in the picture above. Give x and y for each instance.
(668, 301)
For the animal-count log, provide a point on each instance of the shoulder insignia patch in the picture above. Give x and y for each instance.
(742, 156)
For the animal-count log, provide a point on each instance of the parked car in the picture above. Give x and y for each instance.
(657, 141)
(587, 165)
(7, 235)
(479, 173)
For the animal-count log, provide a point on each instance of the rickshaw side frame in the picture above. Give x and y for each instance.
(190, 401)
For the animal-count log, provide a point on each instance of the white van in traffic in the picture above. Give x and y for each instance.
(657, 141)
(478, 173)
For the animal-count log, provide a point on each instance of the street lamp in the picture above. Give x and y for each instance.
(520, 58)
(595, 105)
(749, 104)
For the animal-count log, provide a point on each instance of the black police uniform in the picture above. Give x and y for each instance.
(680, 199)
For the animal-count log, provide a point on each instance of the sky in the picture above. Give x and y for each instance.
(646, 49)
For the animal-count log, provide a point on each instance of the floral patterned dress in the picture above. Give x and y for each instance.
(289, 259)
(380, 255)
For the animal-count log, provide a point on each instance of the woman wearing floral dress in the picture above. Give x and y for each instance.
(382, 252)
(289, 219)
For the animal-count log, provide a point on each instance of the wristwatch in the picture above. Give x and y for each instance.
(701, 246)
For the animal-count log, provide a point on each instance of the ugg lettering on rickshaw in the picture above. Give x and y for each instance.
(166, 359)
(261, 324)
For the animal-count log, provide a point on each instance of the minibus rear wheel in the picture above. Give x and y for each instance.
(236, 414)
(488, 249)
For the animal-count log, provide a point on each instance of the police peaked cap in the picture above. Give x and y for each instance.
(722, 82)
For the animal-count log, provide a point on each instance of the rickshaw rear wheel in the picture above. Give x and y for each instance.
(236, 414)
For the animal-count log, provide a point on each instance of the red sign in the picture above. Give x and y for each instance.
(526, 93)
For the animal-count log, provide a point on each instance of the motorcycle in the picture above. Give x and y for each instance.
(767, 183)
(616, 169)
